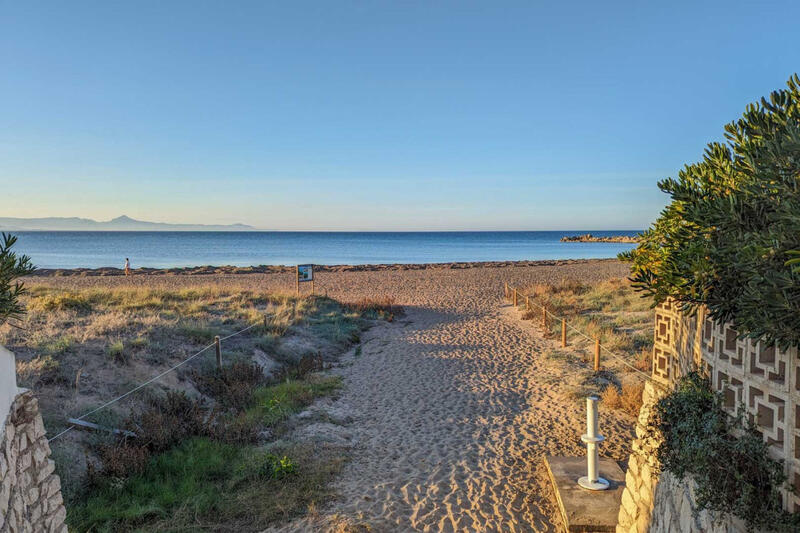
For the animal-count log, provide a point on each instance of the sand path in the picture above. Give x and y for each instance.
(453, 408)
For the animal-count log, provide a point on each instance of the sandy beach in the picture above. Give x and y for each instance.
(449, 410)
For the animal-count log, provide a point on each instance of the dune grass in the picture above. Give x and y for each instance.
(610, 311)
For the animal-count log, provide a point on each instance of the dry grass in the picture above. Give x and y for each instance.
(628, 397)
(611, 311)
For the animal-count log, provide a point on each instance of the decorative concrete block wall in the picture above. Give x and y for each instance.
(30, 491)
(763, 379)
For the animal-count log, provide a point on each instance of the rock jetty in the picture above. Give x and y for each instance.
(588, 237)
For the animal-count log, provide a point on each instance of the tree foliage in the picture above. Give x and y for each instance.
(728, 238)
(12, 267)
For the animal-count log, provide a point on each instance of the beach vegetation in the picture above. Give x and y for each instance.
(202, 484)
(185, 454)
(627, 397)
(729, 239)
(232, 385)
(12, 267)
(611, 311)
(275, 403)
(40, 369)
(116, 351)
(55, 345)
(81, 337)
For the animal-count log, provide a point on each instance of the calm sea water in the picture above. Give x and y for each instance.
(74, 249)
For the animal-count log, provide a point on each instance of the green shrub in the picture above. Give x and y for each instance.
(734, 474)
(732, 225)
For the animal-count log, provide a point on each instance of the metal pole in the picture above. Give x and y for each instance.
(592, 480)
(219, 352)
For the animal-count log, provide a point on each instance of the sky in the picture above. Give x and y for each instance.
(373, 115)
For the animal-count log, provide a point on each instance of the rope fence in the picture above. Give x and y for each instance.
(218, 349)
(514, 294)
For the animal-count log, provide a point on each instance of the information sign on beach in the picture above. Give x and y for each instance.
(305, 273)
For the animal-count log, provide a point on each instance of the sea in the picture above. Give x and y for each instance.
(168, 249)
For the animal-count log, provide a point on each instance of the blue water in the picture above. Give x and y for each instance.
(75, 249)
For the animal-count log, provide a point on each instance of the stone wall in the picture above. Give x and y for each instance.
(640, 480)
(675, 509)
(30, 491)
(8, 383)
(661, 503)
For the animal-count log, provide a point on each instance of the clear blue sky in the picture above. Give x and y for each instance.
(373, 115)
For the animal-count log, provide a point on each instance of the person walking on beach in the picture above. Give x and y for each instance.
(127, 267)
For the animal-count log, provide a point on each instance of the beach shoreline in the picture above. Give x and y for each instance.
(207, 270)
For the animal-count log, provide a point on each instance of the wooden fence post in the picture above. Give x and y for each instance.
(544, 317)
(515, 297)
(563, 332)
(527, 303)
(597, 354)
(219, 352)
(505, 290)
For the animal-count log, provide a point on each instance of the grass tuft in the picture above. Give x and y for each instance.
(627, 398)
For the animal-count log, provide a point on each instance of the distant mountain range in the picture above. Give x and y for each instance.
(123, 223)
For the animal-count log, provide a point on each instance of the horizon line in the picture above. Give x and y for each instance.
(258, 230)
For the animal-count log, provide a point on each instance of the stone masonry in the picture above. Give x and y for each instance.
(30, 491)
(641, 479)
(660, 503)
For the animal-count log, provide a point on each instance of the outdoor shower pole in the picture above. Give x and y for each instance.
(592, 481)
